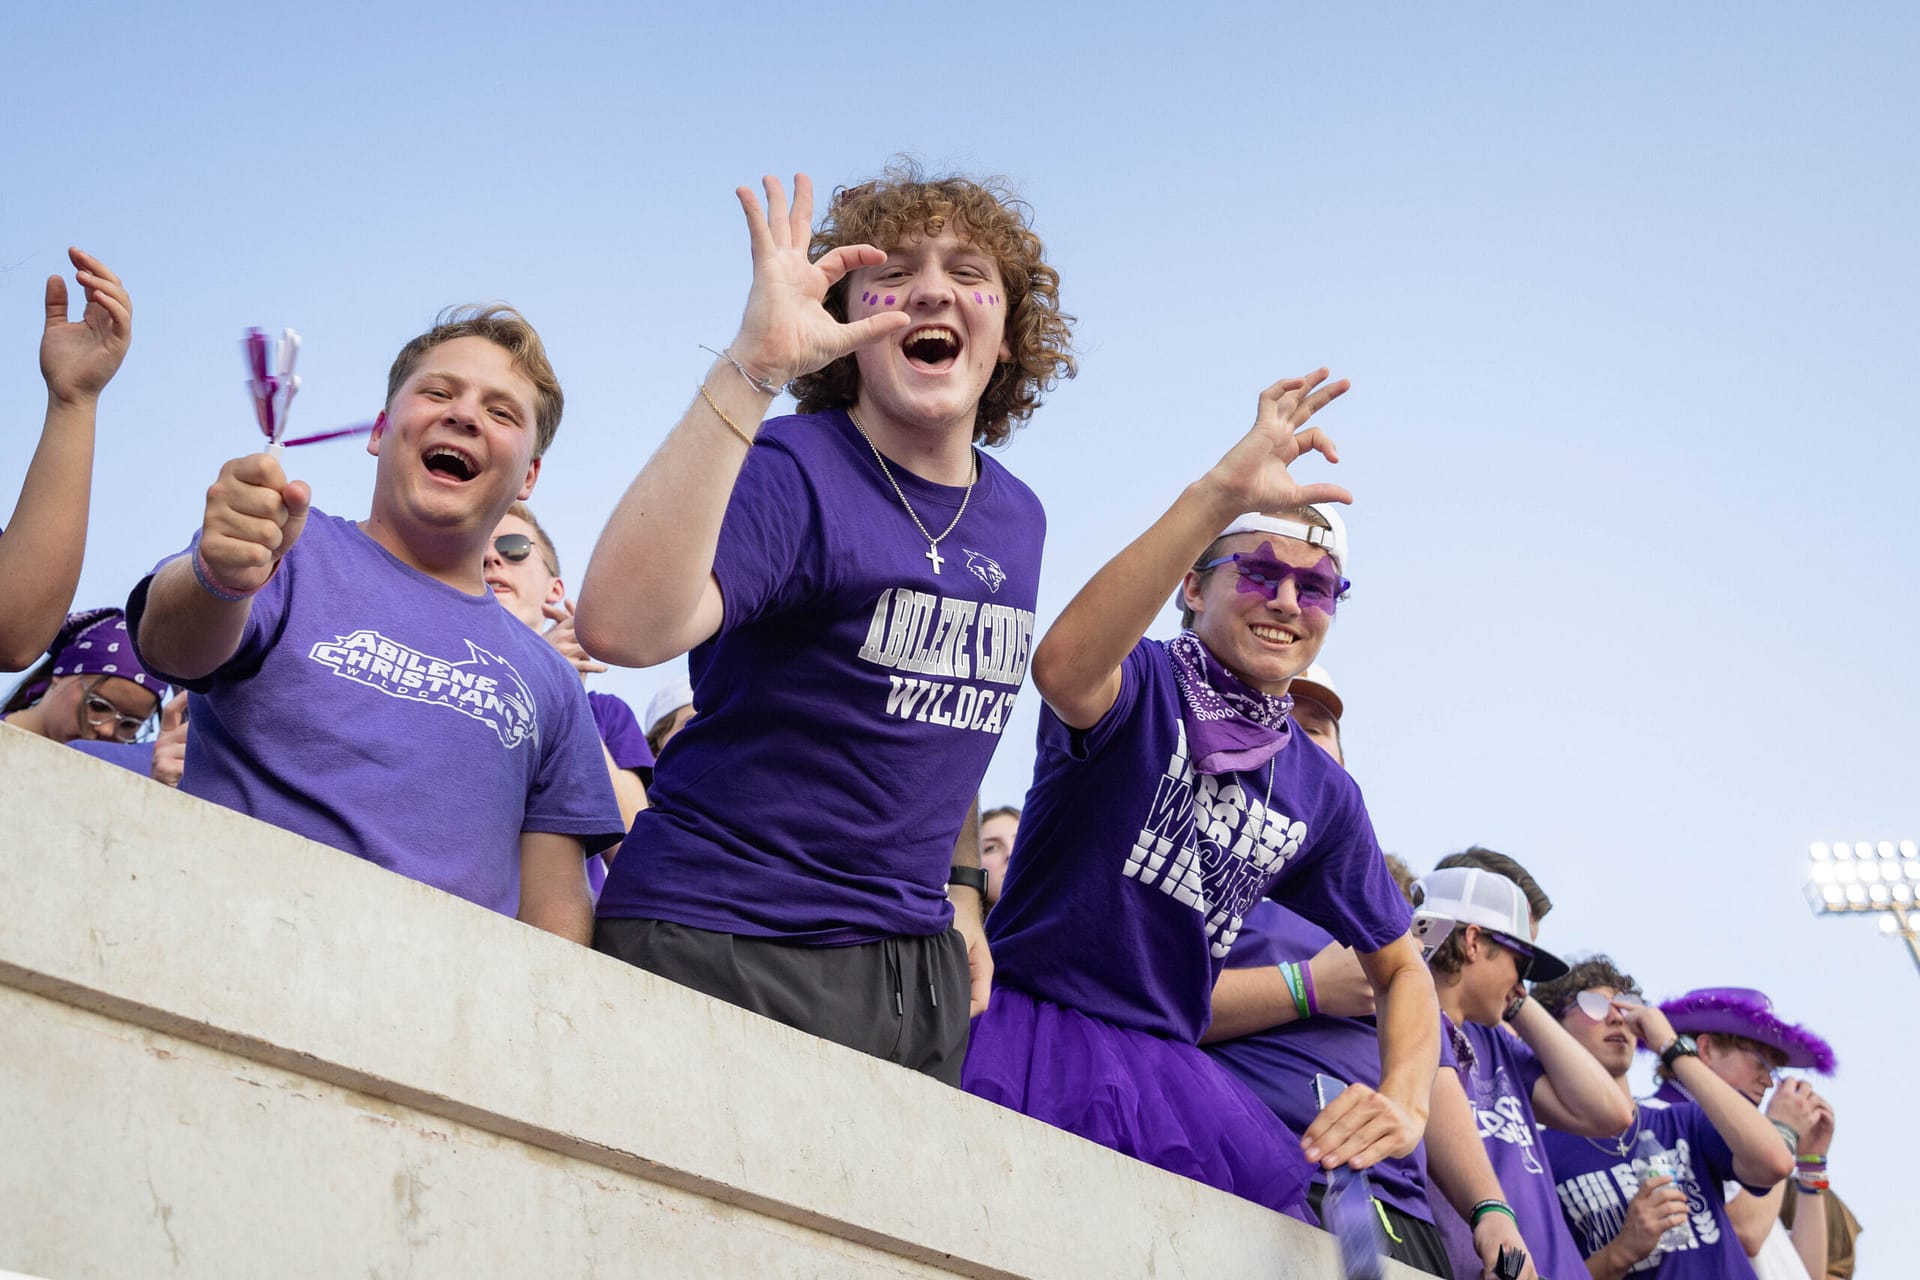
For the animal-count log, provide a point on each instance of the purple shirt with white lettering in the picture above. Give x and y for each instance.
(1597, 1183)
(1500, 1091)
(1279, 1063)
(1132, 873)
(849, 703)
(375, 709)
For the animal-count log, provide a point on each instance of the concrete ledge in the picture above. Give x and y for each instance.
(229, 1051)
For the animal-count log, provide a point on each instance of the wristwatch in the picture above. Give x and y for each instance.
(972, 877)
(1681, 1046)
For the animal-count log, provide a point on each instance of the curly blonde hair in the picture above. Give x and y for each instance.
(903, 203)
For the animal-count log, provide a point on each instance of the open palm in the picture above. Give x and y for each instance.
(1257, 469)
(79, 357)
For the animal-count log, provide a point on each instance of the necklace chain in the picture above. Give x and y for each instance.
(933, 543)
(1627, 1135)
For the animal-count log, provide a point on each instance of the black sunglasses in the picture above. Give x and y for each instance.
(513, 547)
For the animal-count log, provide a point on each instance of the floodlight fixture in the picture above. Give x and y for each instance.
(1880, 878)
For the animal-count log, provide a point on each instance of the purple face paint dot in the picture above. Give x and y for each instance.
(977, 298)
(889, 299)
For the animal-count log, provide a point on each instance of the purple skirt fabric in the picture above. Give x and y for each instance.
(1156, 1100)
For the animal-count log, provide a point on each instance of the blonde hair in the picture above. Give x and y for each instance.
(505, 328)
(521, 511)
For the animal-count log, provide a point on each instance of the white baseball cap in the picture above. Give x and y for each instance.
(1316, 684)
(1455, 896)
(669, 698)
(1333, 538)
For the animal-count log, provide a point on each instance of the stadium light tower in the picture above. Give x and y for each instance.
(1883, 879)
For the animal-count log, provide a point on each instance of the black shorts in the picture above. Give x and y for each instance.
(902, 999)
(1410, 1240)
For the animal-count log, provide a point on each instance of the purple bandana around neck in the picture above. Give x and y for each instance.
(1230, 725)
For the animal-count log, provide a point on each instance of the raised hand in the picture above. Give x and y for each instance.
(786, 331)
(254, 516)
(1655, 1209)
(79, 357)
(560, 635)
(1360, 1128)
(1255, 471)
(170, 748)
(1797, 1106)
(1649, 1024)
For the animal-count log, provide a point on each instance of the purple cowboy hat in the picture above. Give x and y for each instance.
(1742, 1011)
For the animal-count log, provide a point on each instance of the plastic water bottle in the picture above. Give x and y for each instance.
(1650, 1160)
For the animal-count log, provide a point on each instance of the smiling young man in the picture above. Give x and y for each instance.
(1172, 793)
(856, 585)
(357, 683)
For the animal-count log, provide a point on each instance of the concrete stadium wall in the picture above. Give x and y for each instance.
(228, 1051)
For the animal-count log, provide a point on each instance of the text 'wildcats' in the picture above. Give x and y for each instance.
(958, 641)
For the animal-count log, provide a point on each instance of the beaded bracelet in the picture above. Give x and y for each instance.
(1486, 1207)
(203, 574)
(1812, 1186)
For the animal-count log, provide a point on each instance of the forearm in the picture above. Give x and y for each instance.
(1760, 1158)
(1457, 1160)
(1249, 1000)
(1409, 1019)
(553, 886)
(1576, 1094)
(640, 602)
(1810, 1232)
(184, 630)
(628, 792)
(45, 542)
(1076, 667)
(1753, 1217)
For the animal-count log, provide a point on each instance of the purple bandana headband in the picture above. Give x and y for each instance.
(96, 643)
(1230, 725)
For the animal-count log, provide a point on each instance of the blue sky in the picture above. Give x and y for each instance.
(1626, 295)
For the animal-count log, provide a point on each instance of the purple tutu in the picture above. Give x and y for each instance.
(1157, 1100)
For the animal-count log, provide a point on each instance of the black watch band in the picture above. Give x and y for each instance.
(1682, 1047)
(972, 877)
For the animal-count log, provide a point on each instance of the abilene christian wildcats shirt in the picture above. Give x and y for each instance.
(375, 709)
(849, 704)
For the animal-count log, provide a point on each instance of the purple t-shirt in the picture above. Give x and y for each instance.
(375, 709)
(137, 756)
(849, 703)
(1279, 1063)
(620, 733)
(1132, 873)
(1500, 1091)
(620, 730)
(1596, 1184)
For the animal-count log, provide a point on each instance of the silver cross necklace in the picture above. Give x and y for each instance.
(933, 543)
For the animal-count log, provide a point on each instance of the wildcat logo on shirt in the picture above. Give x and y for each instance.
(1212, 845)
(985, 568)
(484, 687)
(1595, 1205)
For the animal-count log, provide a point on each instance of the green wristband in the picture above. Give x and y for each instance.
(1486, 1207)
(1290, 972)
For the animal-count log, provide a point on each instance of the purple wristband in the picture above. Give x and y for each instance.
(203, 574)
(1306, 980)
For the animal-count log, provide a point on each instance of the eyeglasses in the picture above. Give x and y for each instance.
(1597, 1004)
(1261, 572)
(514, 548)
(1766, 1063)
(100, 713)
